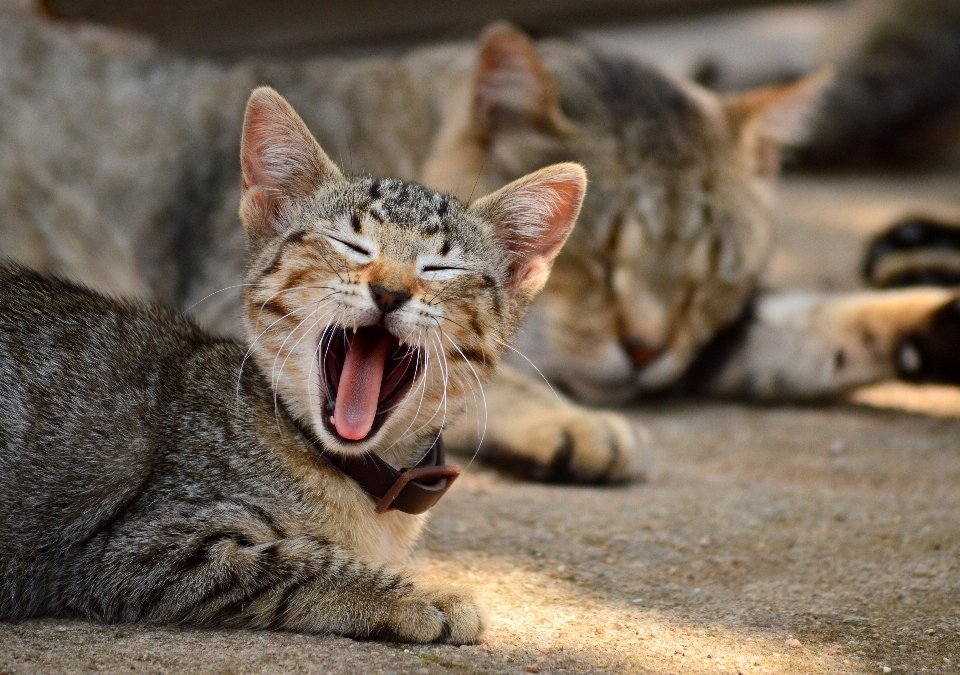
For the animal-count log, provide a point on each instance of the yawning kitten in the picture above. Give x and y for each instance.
(150, 472)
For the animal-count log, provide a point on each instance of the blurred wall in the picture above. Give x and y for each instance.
(226, 27)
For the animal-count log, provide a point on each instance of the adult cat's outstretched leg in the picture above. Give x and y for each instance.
(224, 567)
(816, 345)
(535, 432)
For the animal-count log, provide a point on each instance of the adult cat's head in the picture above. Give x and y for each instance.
(374, 305)
(677, 224)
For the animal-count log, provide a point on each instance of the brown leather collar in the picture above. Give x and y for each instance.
(412, 490)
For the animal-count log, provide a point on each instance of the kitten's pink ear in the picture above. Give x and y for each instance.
(533, 217)
(770, 117)
(281, 161)
(511, 82)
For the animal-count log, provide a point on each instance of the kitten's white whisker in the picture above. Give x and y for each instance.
(322, 383)
(439, 405)
(423, 391)
(319, 303)
(253, 344)
(210, 295)
(273, 369)
(483, 395)
(517, 351)
(275, 381)
(293, 288)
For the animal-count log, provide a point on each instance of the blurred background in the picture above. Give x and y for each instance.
(896, 100)
(224, 27)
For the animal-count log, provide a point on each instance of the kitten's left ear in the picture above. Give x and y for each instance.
(281, 161)
(533, 216)
(768, 118)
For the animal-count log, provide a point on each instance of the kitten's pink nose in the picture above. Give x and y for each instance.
(387, 299)
(641, 354)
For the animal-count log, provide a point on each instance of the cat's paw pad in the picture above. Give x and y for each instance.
(574, 445)
(931, 354)
(440, 615)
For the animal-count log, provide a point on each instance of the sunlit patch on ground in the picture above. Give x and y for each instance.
(542, 624)
(936, 400)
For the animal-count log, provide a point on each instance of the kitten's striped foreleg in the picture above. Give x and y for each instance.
(210, 574)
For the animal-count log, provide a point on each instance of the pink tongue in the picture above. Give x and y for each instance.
(359, 389)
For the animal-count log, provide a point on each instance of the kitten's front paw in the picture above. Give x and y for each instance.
(571, 445)
(931, 354)
(440, 615)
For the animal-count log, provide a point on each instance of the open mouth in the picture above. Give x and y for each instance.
(366, 372)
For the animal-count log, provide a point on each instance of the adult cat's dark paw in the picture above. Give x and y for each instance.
(932, 353)
(914, 252)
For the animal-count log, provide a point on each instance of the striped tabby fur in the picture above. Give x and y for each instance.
(150, 472)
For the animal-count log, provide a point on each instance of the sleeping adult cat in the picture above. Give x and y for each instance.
(118, 170)
(150, 472)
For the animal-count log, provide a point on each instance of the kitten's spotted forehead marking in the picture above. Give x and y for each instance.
(410, 205)
(371, 211)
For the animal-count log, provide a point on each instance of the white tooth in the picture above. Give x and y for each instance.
(331, 420)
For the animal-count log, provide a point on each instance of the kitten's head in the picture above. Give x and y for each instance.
(377, 306)
(677, 225)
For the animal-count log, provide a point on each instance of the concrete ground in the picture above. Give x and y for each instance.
(787, 539)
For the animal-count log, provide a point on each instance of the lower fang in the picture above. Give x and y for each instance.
(331, 420)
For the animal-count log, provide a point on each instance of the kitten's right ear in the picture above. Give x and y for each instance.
(532, 217)
(281, 161)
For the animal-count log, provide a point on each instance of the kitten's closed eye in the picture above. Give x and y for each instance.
(357, 252)
(440, 272)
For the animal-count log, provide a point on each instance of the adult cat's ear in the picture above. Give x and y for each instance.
(511, 83)
(768, 118)
(532, 217)
(281, 161)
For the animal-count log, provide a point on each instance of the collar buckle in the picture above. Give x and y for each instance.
(416, 490)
